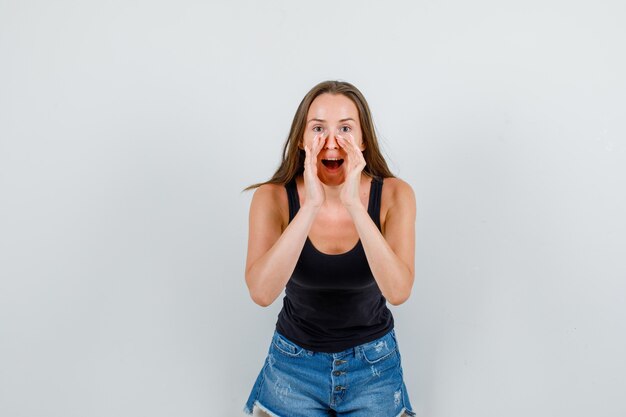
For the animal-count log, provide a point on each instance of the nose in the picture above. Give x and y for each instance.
(331, 141)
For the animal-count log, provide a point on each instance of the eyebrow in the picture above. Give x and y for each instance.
(322, 120)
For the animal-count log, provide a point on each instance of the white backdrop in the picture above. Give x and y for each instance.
(129, 128)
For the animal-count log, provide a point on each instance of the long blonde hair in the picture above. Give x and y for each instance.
(292, 163)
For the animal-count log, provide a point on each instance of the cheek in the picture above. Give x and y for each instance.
(308, 139)
(359, 140)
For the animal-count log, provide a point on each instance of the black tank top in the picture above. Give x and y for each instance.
(332, 302)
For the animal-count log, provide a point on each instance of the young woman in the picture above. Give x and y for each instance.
(336, 230)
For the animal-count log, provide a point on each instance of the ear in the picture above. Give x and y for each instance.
(300, 145)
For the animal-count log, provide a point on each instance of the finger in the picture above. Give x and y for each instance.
(348, 140)
(345, 145)
(342, 142)
(316, 144)
(309, 154)
(352, 142)
(355, 156)
(357, 150)
(313, 154)
(316, 147)
(348, 146)
(320, 143)
(306, 155)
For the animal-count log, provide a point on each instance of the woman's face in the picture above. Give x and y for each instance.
(331, 115)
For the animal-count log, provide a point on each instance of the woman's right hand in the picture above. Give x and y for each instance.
(314, 189)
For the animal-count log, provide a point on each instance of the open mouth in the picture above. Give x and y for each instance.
(333, 163)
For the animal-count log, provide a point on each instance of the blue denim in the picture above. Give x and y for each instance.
(363, 381)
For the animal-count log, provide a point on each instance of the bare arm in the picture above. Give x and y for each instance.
(272, 256)
(391, 256)
(273, 253)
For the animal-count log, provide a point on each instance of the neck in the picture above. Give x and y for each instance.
(332, 193)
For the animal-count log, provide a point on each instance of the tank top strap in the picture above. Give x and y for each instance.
(292, 197)
(373, 207)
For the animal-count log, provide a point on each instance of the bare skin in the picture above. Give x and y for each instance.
(260, 413)
(333, 212)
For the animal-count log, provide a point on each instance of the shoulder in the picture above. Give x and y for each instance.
(269, 191)
(397, 192)
(397, 197)
(271, 199)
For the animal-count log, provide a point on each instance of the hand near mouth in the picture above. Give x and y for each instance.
(355, 162)
(315, 195)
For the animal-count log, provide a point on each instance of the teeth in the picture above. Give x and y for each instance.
(333, 159)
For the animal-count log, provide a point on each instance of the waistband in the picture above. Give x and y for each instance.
(388, 342)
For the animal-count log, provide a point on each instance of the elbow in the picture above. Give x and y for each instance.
(260, 299)
(400, 296)
(398, 299)
(400, 291)
(257, 294)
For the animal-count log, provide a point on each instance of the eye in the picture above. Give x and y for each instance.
(345, 129)
(317, 129)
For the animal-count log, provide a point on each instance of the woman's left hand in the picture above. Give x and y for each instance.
(355, 162)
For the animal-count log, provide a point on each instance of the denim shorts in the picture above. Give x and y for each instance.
(363, 381)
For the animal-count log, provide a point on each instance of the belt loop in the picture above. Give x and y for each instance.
(357, 352)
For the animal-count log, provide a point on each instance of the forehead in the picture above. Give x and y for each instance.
(331, 107)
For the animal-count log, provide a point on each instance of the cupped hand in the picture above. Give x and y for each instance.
(314, 190)
(355, 162)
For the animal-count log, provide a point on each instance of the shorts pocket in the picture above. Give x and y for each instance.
(285, 346)
(380, 350)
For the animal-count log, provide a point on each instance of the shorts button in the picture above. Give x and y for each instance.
(337, 373)
(338, 388)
